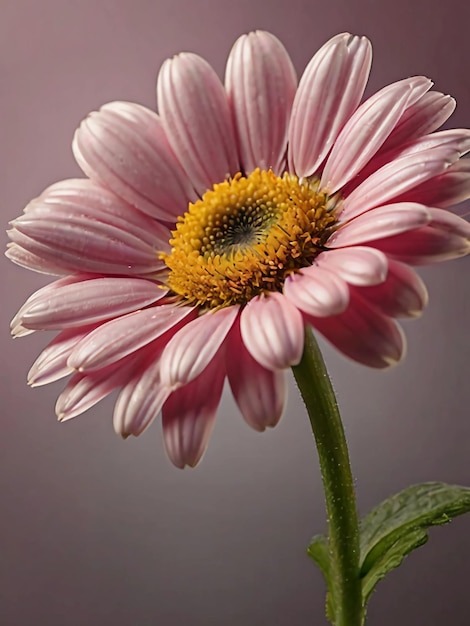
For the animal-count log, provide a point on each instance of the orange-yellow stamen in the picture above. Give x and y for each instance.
(245, 236)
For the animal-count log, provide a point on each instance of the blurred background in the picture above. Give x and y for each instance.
(95, 530)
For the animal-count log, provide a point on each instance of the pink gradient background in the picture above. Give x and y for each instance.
(99, 531)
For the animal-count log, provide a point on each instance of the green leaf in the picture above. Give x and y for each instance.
(392, 559)
(398, 526)
(318, 550)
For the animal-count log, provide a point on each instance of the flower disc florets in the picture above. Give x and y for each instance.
(245, 236)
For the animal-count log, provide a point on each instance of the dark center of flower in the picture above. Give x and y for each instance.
(245, 236)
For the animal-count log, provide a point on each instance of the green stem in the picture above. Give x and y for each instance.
(343, 537)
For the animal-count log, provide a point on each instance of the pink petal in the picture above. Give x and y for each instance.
(403, 294)
(357, 266)
(44, 244)
(423, 116)
(191, 350)
(51, 364)
(367, 130)
(188, 416)
(260, 393)
(85, 390)
(363, 334)
(16, 325)
(122, 336)
(82, 194)
(261, 83)
(272, 331)
(329, 91)
(457, 139)
(384, 221)
(450, 223)
(85, 228)
(89, 301)
(397, 178)
(451, 187)
(446, 237)
(123, 146)
(317, 291)
(196, 115)
(24, 258)
(142, 398)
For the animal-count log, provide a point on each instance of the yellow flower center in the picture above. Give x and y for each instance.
(245, 236)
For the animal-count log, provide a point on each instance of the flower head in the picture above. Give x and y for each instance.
(205, 237)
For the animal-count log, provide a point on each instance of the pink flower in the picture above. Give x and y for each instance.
(206, 237)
